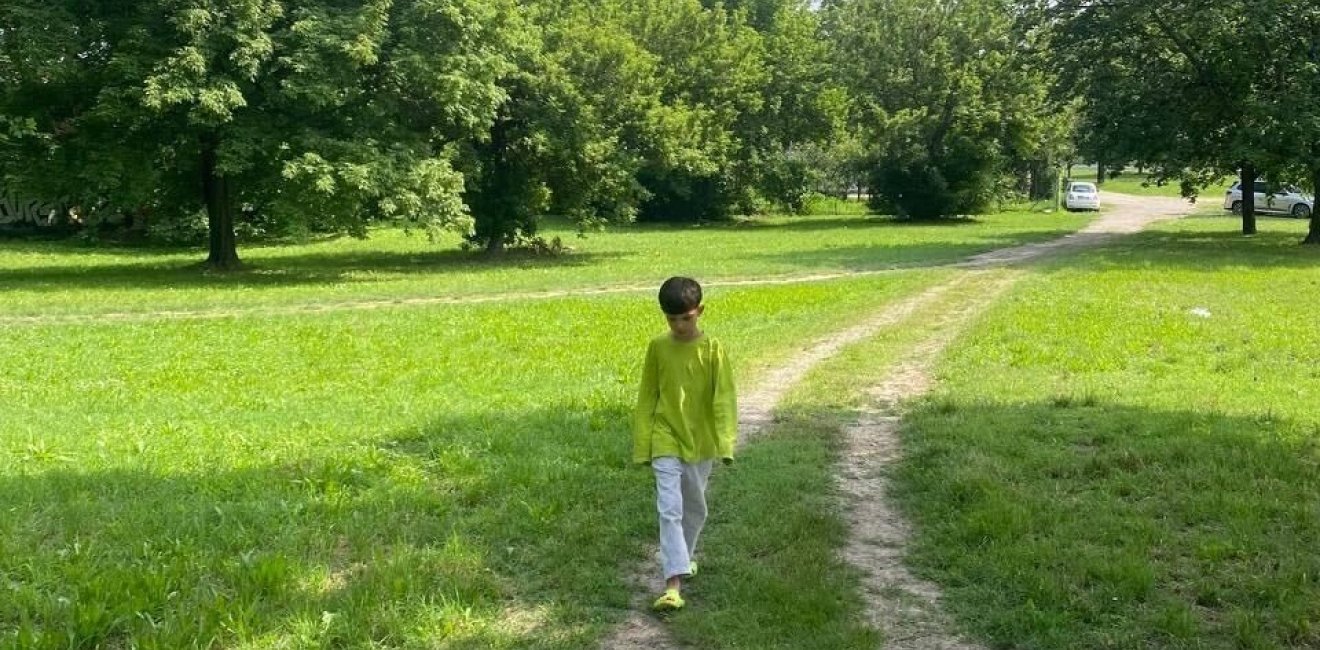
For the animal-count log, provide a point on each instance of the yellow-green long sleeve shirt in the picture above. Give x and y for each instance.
(686, 405)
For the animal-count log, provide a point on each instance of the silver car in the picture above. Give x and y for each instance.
(1284, 200)
(1081, 196)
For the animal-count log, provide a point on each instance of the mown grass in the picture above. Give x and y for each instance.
(1103, 466)
(53, 277)
(1125, 453)
(770, 577)
(416, 477)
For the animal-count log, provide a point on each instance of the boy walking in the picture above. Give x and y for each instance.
(686, 418)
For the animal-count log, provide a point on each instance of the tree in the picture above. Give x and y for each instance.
(743, 85)
(804, 104)
(316, 112)
(946, 94)
(1197, 90)
(1291, 85)
(711, 72)
(584, 115)
(652, 106)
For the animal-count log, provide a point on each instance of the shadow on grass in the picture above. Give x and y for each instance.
(771, 576)
(860, 221)
(67, 245)
(489, 531)
(1081, 523)
(289, 270)
(1203, 251)
(1197, 250)
(319, 268)
(794, 224)
(879, 256)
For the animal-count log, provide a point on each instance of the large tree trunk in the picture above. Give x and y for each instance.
(1248, 199)
(1313, 237)
(219, 211)
(1099, 173)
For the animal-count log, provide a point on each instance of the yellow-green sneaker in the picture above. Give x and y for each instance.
(670, 601)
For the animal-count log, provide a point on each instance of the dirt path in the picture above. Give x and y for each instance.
(905, 608)
(1126, 214)
(755, 413)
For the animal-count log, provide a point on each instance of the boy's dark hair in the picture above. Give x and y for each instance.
(679, 295)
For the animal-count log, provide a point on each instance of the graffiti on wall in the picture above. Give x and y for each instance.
(22, 211)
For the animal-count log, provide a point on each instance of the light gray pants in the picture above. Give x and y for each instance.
(680, 497)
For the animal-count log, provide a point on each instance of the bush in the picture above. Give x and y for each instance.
(910, 188)
(821, 204)
(789, 182)
(913, 183)
(188, 229)
(675, 196)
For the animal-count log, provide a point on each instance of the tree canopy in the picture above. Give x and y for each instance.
(486, 116)
(478, 115)
(948, 96)
(310, 111)
(1195, 91)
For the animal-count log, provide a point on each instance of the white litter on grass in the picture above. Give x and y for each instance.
(1200, 311)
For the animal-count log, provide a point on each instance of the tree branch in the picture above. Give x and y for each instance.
(1185, 47)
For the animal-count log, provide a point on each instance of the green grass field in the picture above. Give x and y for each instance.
(398, 476)
(1125, 453)
(407, 476)
(1100, 466)
(46, 277)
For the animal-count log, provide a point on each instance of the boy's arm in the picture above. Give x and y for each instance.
(648, 396)
(726, 406)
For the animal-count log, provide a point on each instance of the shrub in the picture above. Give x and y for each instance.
(188, 229)
(913, 183)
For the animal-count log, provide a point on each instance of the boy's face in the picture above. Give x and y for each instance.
(684, 326)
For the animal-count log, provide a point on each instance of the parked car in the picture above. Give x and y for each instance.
(1283, 200)
(1081, 196)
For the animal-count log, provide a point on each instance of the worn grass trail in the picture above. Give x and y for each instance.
(755, 415)
(902, 607)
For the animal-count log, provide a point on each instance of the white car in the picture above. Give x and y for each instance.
(1081, 196)
(1285, 200)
